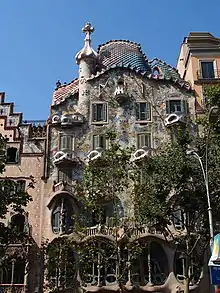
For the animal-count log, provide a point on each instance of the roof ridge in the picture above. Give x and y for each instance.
(64, 85)
(122, 40)
(165, 63)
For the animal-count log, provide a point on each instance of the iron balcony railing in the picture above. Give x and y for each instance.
(211, 75)
(35, 122)
(12, 288)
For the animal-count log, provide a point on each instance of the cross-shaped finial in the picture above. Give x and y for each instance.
(88, 29)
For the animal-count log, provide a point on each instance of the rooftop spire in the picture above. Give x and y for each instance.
(87, 51)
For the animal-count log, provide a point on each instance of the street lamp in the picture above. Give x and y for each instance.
(205, 176)
(213, 117)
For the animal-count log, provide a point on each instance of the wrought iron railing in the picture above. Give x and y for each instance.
(12, 288)
(35, 122)
(215, 74)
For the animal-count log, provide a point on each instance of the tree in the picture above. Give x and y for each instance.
(13, 199)
(171, 191)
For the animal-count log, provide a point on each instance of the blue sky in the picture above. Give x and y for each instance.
(39, 39)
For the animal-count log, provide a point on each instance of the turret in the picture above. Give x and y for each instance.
(87, 60)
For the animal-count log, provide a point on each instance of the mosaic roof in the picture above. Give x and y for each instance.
(167, 70)
(126, 54)
(64, 91)
(123, 54)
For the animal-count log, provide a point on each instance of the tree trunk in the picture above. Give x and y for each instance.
(186, 285)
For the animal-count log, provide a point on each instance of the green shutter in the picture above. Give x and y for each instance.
(66, 143)
(148, 111)
(95, 141)
(167, 107)
(94, 112)
(104, 112)
(137, 111)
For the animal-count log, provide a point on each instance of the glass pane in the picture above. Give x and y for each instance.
(175, 106)
(207, 70)
(99, 112)
(143, 111)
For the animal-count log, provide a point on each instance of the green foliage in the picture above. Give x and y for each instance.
(213, 94)
(60, 264)
(14, 199)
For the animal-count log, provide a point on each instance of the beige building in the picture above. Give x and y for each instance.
(199, 63)
(117, 88)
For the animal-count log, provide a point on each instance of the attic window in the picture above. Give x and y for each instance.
(156, 71)
(120, 82)
(12, 155)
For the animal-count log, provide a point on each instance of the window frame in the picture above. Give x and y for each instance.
(183, 104)
(105, 141)
(141, 134)
(213, 61)
(72, 141)
(137, 103)
(59, 209)
(101, 122)
(17, 156)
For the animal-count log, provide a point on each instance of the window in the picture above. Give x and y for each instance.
(179, 219)
(21, 185)
(12, 155)
(18, 223)
(65, 175)
(143, 111)
(99, 141)
(99, 112)
(62, 221)
(66, 143)
(156, 71)
(176, 106)
(143, 140)
(207, 69)
(12, 272)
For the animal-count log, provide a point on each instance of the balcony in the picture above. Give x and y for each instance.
(113, 231)
(65, 159)
(120, 93)
(208, 76)
(64, 186)
(12, 288)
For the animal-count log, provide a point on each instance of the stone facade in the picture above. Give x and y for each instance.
(117, 89)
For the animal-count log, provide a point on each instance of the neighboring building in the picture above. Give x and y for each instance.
(117, 88)
(199, 63)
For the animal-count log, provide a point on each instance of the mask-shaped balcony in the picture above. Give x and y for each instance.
(175, 119)
(65, 159)
(94, 155)
(141, 154)
(120, 93)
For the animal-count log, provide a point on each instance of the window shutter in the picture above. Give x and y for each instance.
(149, 111)
(94, 112)
(215, 69)
(148, 140)
(137, 111)
(167, 107)
(66, 143)
(95, 141)
(104, 112)
(184, 107)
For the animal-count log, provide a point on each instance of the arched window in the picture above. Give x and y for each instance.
(62, 216)
(152, 266)
(12, 155)
(156, 71)
(61, 265)
(18, 222)
(12, 272)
